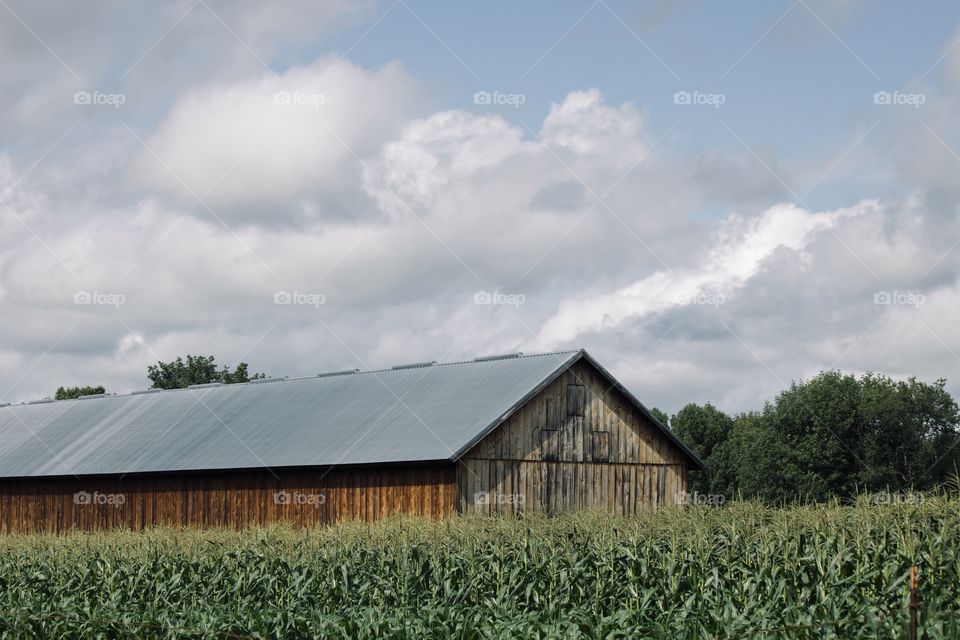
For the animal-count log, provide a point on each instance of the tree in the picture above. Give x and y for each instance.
(909, 433)
(72, 393)
(818, 422)
(838, 435)
(196, 370)
(661, 416)
(706, 430)
(765, 466)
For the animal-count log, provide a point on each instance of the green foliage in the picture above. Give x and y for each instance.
(661, 416)
(706, 430)
(744, 571)
(834, 435)
(196, 370)
(72, 393)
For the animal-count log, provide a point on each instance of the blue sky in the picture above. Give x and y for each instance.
(169, 171)
(796, 77)
(798, 69)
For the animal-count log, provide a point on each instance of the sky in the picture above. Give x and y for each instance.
(714, 199)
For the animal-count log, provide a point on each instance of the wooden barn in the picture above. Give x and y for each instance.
(538, 433)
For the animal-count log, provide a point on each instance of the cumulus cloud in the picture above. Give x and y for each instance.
(738, 253)
(278, 148)
(434, 154)
(585, 125)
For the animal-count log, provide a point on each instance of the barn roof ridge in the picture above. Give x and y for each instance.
(331, 374)
(427, 365)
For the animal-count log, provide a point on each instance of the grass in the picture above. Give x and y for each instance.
(834, 571)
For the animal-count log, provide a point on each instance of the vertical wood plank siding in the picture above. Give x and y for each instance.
(578, 444)
(235, 499)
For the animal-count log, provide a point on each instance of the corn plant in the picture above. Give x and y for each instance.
(741, 571)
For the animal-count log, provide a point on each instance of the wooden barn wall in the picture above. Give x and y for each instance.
(578, 444)
(235, 499)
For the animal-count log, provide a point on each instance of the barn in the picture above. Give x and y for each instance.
(544, 433)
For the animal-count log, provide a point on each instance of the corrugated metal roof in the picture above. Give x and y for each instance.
(393, 415)
(410, 414)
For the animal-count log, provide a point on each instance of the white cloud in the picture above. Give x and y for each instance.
(740, 249)
(435, 154)
(583, 124)
(277, 148)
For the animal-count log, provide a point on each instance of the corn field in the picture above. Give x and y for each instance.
(742, 571)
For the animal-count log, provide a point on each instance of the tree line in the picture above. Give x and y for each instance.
(176, 374)
(834, 435)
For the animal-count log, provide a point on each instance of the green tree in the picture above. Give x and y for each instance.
(661, 416)
(180, 374)
(706, 430)
(765, 466)
(72, 393)
(909, 433)
(837, 435)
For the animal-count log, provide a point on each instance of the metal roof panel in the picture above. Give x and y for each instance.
(394, 415)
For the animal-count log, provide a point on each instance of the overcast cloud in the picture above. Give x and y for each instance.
(296, 188)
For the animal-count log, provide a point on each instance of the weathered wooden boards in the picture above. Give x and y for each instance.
(227, 499)
(579, 444)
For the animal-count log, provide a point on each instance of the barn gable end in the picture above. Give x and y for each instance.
(581, 442)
